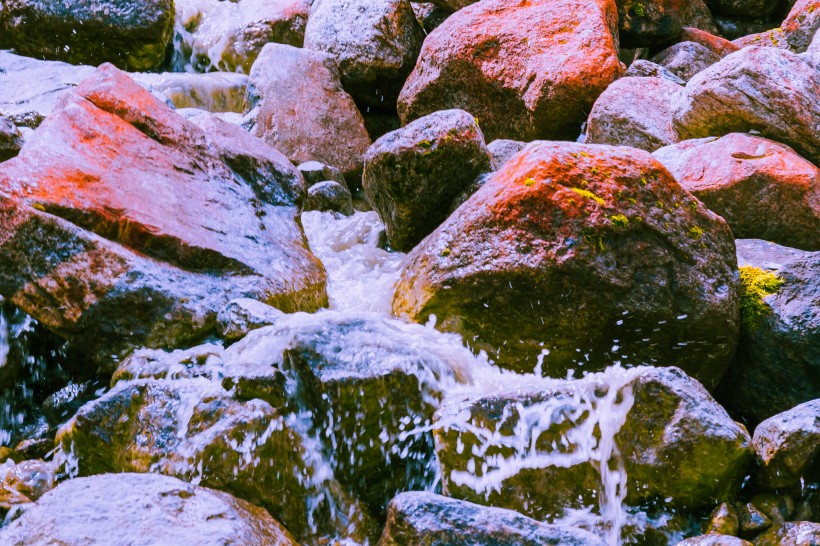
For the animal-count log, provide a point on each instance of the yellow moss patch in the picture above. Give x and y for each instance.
(588, 194)
(755, 284)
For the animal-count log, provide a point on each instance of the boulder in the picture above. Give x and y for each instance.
(802, 24)
(132, 35)
(757, 88)
(581, 253)
(634, 112)
(302, 109)
(89, 250)
(452, 5)
(657, 22)
(228, 36)
(430, 16)
(543, 446)
(101, 511)
(771, 38)
(242, 315)
(717, 45)
(685, 59)
(776, 365)
(315, 172)
(502, 150)
(787, 444)
(647, 69)
(426, 518)
(525, 70)
(10, 139)
(793, 533)
(763, 189)
(376, 43)
(714, 539)
(411, 175)
(723, 520)
(329, 196)
(751, 519)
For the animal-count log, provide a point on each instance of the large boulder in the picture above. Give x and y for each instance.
(757, 88)
(641, 68)
(132, 35)
(228, 36)
(644, 434)
(113, 222)
(303, 110)
(763, 189)
(634, 112)
(411, 175)
(802, 24)
(685, 59)
(646, 23)
(717, 45)
(776, 367)
(792, 533)
(426, 518)
(788, 444)
(589, 254)
(525, 70)
(376, 43)
(102, 510)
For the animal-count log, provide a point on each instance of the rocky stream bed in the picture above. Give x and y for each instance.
(373, 272)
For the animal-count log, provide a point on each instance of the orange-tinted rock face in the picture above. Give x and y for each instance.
(115, 194)
(527, 69)
(716, 44)
(763, 189)
(593, 253)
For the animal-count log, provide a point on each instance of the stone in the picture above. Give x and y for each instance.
(723, 520)
(776, 365)
(88, 250)
(765, 89)
(649, 23)
(411, 175)
(643, 68)
(329, 196)
(10, 139)
(714, 539)
(748, 9)
(430, 16)
(751, 520)
(426, 518)
(802, 24)
(733, 28)
(717, 45)
(502, 150)
(212, 92)
(685, 59)
(228, 36)
(100, 510)
(763, 189)
(779, 508)
(314, 120)
(634, 112)
(243, 315)
(376, 43)
(533, 446)
(787, 445)
(526, 70)
(32, 478)
(578, 252)
(132, 35)
(771, 38)
(315, 172)
(793, 533)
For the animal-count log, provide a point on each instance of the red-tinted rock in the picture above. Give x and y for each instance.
(526, 70)
(802, 24)
(770, 38)
(763, 189)
(715, 44)
(593, 253)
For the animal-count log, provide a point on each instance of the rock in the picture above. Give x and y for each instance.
(502, 150)
(757, 88)
(778, 508)
(717, 45)
(649, 23)
(452, 5)
(10, 139)
(763, 189)
(314, 120)
(525, 70)
(642, 68)
(132, 35)
(228, 36)
(634, 112)
(733, 28)
(533, 446)
(100, 510)
(329, 196)
(376, 43)
(315, 172)
(696, 14)
(88, 250)
(242, 315)
(430, 16)
(574, 249)
(723, 520)
(714, 539)
(31, 478)
(686, 59)
(213, 92)
(770, 38)
(787, 445)
(796, 533)
(776, 365)
(751, 520)
(411, 175)
(426, 518)
(802, 24)
(748, 9)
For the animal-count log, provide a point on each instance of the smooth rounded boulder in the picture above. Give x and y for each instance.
(581, 253)
(686, 59)
(526, 70)
(763, 189)
(411, 175)
(788, 444)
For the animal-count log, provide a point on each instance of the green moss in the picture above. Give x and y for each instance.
(529, 182)
(695, 232)
(638, 10)
(619, 220)
(588, 194)
(755, 284)
(445, 252)
(426, 144)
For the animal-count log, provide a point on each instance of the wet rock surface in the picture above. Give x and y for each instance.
(787, 444)
(10, 139)
(686, 59)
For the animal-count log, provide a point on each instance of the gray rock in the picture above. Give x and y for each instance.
(714, 539)
(242, 315)
(793, 533)
(723, 520)
(502, 150)
(315, 172)
(644, 68)
(11, 140)
(788, 444)
(686, 59)
(329, 196)
(100, 511)
(425, 518)
(303, 110)
(801, 25)
(634, 112)
(413, 174)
